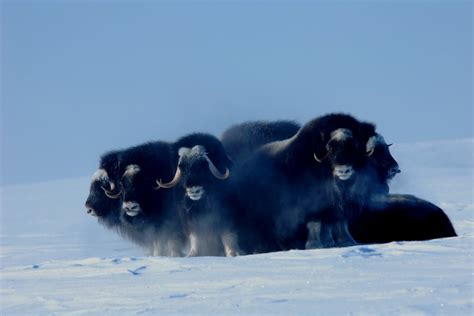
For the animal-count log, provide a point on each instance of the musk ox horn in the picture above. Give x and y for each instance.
(172, 183)
(372, 143)
(215, 172)
(317, 159)
(110, 194)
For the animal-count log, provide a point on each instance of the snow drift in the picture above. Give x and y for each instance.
(55, 259)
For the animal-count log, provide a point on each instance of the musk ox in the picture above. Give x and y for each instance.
(349, 190)
(286, 184)
(201, 176)
(148, 215)
(242, 139)
(400, 217)
(356, 182)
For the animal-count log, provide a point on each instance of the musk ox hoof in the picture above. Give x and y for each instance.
(319, 235)
(342, 236)
(313, 244)
(233, 253)
(192, 253)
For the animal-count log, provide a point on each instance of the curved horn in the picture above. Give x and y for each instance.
(317, 159)
(369, 153)
(172, 183)
(157, 186)
(215, 172)
(110, 194)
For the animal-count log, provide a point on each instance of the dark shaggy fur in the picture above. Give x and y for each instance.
(384, 166)
(214, 148)
(206, 218)
(106, 209)
(242, 139)
(281, 186)
(398, 217)
(156, 227)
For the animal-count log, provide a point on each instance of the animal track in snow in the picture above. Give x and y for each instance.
(183, 295)
(364, 252)
(137, 271)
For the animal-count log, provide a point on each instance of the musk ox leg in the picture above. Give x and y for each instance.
(231, 246)
(194, 246)
(175, 248)
(319, 235)
(158, 249)
(314, 230)
(326, 235)
(149, 252)
(342, 236)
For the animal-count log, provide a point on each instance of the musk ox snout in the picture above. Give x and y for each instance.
(195, 193)
(131, 208)
(392, 172)
(90, 210)
(343, 172)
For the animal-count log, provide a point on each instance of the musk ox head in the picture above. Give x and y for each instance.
(379, 156)
(104, 194)
(342, 152)
(196, 172)
(135, 188)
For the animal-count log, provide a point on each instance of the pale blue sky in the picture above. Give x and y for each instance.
(82, 77)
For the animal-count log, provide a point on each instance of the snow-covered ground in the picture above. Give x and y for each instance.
(55, 259)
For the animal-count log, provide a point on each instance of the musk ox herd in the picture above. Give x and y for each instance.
(261, 187)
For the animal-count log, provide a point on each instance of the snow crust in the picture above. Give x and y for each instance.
(55, 259)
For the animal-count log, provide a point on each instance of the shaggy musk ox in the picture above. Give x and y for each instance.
(148, 215)
(202, 172)
(398, 217)
(241, 140)
(354, 193)
(350, 190)
(286, 184)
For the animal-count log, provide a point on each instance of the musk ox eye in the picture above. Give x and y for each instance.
(106, 184)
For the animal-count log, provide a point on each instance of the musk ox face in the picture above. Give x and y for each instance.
(342, 153)
(196, 173)
(134, 188)
(380, 157)
(104, 195)
(195, 176)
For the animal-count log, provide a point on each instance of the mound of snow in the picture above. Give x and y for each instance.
(54, 258)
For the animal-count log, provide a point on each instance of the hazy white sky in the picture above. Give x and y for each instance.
(83, 77)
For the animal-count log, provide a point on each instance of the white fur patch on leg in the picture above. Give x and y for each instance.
(194, 244)
(230, 242)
